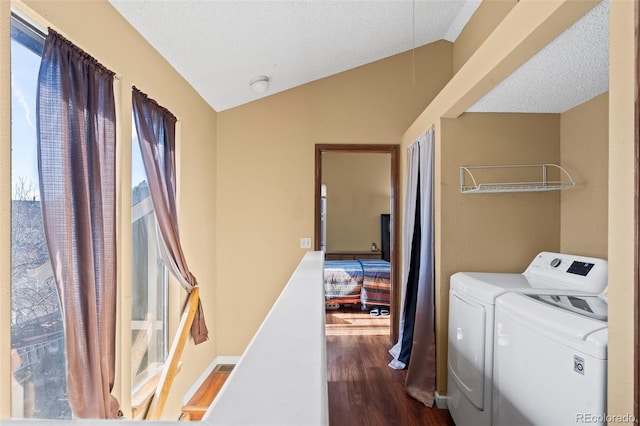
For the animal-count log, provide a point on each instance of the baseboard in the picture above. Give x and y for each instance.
(227, 360)
(441, 401)
(200, 380)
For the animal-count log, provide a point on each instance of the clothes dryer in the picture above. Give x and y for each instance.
(472, 299)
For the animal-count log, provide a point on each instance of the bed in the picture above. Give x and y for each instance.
(365, 281)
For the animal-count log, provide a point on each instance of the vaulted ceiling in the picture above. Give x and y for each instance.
(219, 46)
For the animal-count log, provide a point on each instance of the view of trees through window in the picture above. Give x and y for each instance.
(37, 334)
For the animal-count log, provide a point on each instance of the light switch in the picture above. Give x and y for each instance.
(305, 242)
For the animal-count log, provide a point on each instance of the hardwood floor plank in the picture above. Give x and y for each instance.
(201, 400)
(363, 390)
(341, 413)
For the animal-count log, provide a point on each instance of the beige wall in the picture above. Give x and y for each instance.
(584, 150)
(492, 232)
(622, 209)
(97, 28)
(266, 173)
(358, 192)
(480, 26)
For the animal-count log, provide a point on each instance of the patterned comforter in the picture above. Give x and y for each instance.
(376, 283)
(357, 281)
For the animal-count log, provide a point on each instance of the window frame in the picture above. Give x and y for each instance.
(138, 212)
(33, 36)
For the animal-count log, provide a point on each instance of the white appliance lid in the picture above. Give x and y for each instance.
(485, 287)
(576, 331)
(595, 307)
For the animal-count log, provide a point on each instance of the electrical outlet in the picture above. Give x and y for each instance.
(305, 242)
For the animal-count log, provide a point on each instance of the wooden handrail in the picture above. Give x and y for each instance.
(171, 365)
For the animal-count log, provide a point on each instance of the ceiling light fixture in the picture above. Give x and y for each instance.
(259, 84)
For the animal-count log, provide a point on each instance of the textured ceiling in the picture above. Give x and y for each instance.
(218, 46)
(570, 70)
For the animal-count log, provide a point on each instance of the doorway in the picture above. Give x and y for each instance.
(394, 205)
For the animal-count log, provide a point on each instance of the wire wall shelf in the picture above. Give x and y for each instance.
(517, 178)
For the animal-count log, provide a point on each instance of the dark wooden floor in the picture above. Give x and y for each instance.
(363, 390)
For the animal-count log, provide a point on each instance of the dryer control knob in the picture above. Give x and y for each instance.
(556, 262)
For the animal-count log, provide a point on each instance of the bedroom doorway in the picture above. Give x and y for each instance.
(386, 227)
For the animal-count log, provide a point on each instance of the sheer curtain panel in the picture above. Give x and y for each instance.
(76, 162)
(156, 127)
(415, 349)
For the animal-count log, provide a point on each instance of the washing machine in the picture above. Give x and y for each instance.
(550, 360)
(472, 299)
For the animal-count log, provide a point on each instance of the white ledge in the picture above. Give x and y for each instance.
(281, 379)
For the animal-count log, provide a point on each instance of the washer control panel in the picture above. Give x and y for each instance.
(576, 267)
(569, 271)
(580, 268)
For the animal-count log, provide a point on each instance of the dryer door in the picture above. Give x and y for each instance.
(467, 321)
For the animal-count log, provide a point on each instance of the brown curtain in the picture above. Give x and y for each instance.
(76, 162)
(156, 128)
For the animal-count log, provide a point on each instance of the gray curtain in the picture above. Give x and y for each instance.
(416, 345)
(408, 231)
(76, 162)
(156, 132)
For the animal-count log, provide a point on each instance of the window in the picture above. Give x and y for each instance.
(37, 335)
(149, 280)
(38, 358)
